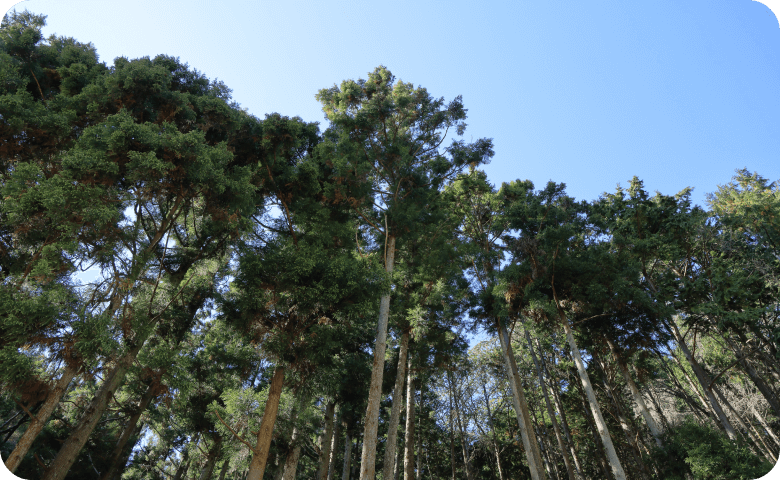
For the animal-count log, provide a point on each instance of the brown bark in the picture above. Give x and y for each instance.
(80, 434)
(39, 420)
(326, 442)
(392, 433)
(260, 454)
(368, 456)
(521, 405)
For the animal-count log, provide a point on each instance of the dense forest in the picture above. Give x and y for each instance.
(190, 291)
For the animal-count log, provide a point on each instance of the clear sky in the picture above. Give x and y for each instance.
(679, 93)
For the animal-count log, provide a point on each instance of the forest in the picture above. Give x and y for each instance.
(190, 291)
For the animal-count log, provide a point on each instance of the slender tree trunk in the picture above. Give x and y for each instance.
(326, 442)
(409, 434)
(562, 414)
(702, 412)
(566, 461)
(368, 456)
(334, 445)
(116, 463)
(493, 433)
(542, 447)
(182, 470)
(614, 461)
(704, 381)
(347, 456)
(41, 417)
(764, 425)
(631, 436)
(211, 459)
(452, 438)
(419, 442)
(463, 443)
(392, 432)
(80, 434)
(225, 467)
(637, 395)
(747, 427)
(291, 462)
(754, 376)
(651, 395)
(260, 454)
(185, 461)
(521, 405)
(603, 463)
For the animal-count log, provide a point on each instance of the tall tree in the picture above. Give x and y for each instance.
(386, 146)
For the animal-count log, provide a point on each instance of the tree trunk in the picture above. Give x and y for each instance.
(631, 437)
(260, 456)
(326, 442)
(291, 462)
(39, 419)
(614, 461)
(368, 456)
(566, 461)
(347, 456)
(185, 461)
(334, 445)
(463, 443)
(757, 380)
(182, 470)
(637, 395)
(603, 463)
(452, 438)
(704, 381)
(211, 459)
(395, 412)
(748, 428)
(493, 433)
(562, 414)
(225, 466)
(409, 434)
(764, 425)
(116, 463)
(80, 434)
(419, 443)
(521, 406)
(702, 412)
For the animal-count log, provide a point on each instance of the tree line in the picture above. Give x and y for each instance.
(190, 291)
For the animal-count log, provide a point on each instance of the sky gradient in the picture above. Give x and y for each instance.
(680, 93)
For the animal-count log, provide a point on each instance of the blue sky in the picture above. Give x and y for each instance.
(679, 93)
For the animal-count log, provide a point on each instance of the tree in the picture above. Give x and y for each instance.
(384, 142)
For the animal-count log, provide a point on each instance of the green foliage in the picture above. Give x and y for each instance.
(693, 449)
